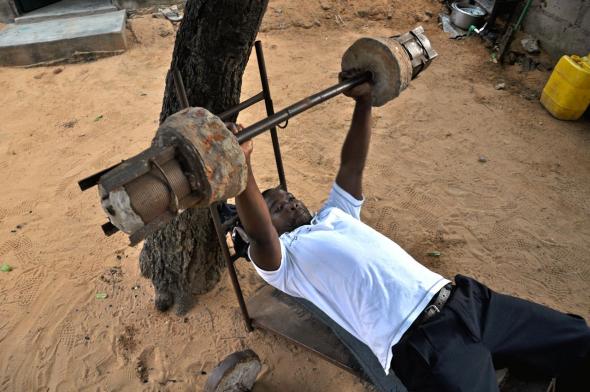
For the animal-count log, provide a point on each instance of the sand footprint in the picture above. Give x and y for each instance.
(574, 261)
(149, 366)
(555, 280)
(426, 218)
(67, 335)
(21, 247)
(27, 287)
(24, 208)
(68, 186)
(385, 223)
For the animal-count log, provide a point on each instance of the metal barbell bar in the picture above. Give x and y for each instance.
(195, 161)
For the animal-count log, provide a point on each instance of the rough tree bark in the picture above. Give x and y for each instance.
(212, 48)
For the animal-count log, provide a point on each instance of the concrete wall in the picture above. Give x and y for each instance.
(7, 11)
(562, 26)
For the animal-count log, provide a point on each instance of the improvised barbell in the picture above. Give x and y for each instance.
(194, 160)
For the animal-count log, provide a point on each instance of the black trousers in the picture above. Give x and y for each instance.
(479, 331)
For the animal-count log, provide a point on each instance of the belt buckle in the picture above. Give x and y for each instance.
(431, 310)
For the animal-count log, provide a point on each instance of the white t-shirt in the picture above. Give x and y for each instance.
(361, 279)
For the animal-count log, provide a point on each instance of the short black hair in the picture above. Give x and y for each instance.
(267, 192)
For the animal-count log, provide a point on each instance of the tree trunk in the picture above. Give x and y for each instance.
(212, 47)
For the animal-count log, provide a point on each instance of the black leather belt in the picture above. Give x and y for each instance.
(433, 308)
(437, 304)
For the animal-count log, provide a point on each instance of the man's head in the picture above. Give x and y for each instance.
(287, 213)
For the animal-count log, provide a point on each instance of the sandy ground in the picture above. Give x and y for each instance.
(518, 222)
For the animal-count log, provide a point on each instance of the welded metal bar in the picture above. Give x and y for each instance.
(92, 180)
(230, 265)
(261, 126)
(109, 229)
(301, 106)
(241, 106)
(180, 90)
(270, 111)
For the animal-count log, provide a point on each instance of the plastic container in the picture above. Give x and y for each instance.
(567, 92)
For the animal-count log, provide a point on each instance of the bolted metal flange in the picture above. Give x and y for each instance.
(194, 161)
(419, 49)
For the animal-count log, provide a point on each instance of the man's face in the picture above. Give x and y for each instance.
(287, 212)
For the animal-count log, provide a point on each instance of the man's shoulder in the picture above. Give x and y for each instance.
(324, 219)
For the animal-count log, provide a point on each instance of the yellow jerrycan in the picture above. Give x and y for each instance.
(567, 92)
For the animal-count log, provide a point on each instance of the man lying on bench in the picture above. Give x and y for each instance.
(434, 334)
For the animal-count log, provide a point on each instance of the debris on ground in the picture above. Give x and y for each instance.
(453, 31)
(433, 254)
(173, 14)
(112, 275)
(482, 159)
(98, 118)
(237, 372)
(5, 267)
(527, 62)
(164, 32)
(500, 86)
(70, 123)
(102, 295)
(530, 44)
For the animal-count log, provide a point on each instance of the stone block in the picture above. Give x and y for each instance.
(544, 26)
(568, 10)
(577, 42)
(557, 36)
(60, 39)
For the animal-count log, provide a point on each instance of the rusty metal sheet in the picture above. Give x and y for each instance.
(280, 314)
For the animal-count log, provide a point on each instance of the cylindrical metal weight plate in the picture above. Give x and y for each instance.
(387, 60)
(212, 159)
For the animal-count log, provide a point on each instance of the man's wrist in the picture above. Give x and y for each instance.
(364, 100)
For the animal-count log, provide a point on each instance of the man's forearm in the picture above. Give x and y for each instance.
(253, 211)
(355, 149)
(356, 144)
(255, 219)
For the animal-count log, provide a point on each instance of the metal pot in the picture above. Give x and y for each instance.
(464, 14)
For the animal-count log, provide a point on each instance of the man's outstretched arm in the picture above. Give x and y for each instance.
(265, 247)
(356, 145)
